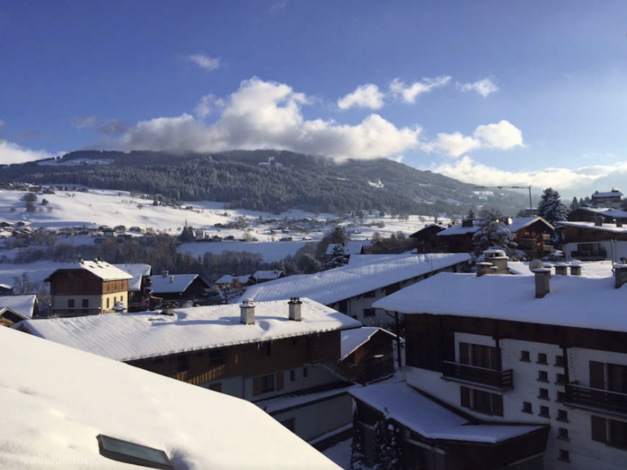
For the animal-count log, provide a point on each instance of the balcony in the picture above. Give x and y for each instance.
(496, 379)
(596, 255)
(586, 397)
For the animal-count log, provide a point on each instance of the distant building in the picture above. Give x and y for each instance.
(596, 240)
(90, 288)
(265, 276)
(426, 239)
(234, 281)
(178, 286)
(275, 354)
(611, 199)
(6, 289)
(367, 354)
(15, 308)
(64, 402)
(138, 284)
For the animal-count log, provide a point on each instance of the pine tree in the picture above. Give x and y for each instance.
(379, 445)
(550, 207)
(357, 447)
(493, 234)
(471, 215)
(388, 445)
(338, 257)
(575, 204)
(338, 235)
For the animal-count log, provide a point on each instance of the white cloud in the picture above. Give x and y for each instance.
(204, 61)
(581, 180)
(501, 136)
(268, 115)
(484, 87)
(409, 93)
(14, 153)
(84, 122)
(207, 105)
(365, 96)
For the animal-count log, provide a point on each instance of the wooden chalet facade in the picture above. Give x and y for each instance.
(594, 241)
(92, 288)
(367, 355)
(180, 287)
(426, 239)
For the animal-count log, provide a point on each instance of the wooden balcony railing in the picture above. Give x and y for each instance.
(579, 395)
(590, 255)
(499, 379)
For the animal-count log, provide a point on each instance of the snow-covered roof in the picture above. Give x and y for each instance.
(102, 269)
(591, 226)
(52, 415)
(410, 408)
(353, 339)
(229, 279)
(351, 247)
(171, 283)
(575, 301)
(23, 305)
(268, 275)
(5, 286)
(518, 224)
(137, 270)
(328, 287)
(616, 213)
(607, 194)
(597, 269)
(131, 336)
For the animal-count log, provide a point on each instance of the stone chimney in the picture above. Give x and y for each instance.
(483, 268)
(575, 270)
(295, 305)
(620, 275)
(247, 312)
(542, 276)
(165, 273)
(497, 258)
(561, 269)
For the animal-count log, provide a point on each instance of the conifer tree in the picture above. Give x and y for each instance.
(493, 234)
(357, 447)
(338, 257)
(550, 207)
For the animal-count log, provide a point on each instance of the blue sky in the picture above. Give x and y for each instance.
(489, 91)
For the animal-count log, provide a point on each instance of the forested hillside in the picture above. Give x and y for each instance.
(246, 179)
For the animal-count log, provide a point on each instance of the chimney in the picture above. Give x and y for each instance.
(494, 270)
(247, 312)
(483, 268)
(542, 282)
(168, 309)
(598, 221)
(619, 223)
(620, 275)
(165, 273)
(499, 259)
(561, 269)
(295, 309)
(575, 270)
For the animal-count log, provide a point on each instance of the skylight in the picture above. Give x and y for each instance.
(128, 452)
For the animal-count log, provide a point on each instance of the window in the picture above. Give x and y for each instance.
(564, 455)
(85, 305)
(481, 402)
(560, 379)
(609, 431)
(182, 363)
(562, 433)
(543, 376)
(562, 415)
(305, 372)
(108, 303)
(478, 355)
(559, 361)
(217, 357)
(267, 383)
(544, 394)
(561, 397)
(542, 359)
(524, 356)
(544, 412)
(292, 375)
(70, 303)
(527, 408)
(617, 378)
(369, 312)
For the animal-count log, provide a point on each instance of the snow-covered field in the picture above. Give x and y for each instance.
(37, 272)
(271, 251)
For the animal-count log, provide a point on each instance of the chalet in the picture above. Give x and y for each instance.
(265, 276)
(6, 289)
(178, 286)
(72, 410)
(426, 239)
(540, 360)
(367, 354)
(140, 282)
(532, 235)
(15, 308)
(352, 289)
(611, 199)
(593, 241)
(275, 354)
(90, 288)
(587, 214)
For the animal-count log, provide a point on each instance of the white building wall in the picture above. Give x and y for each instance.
(615, 249)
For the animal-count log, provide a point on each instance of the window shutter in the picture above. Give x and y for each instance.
(597, 375)
(280, 381)
(256, 386)
(599, 430)
(497, 405)
(464, 397)
(464, 357)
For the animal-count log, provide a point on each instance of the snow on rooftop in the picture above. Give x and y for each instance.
(268, 274)
(137, 270)
(410, 408)
(574, 301)
(607, 194)
(131, 336)
(21, 304)
(51, 415)
(606, 227)
(171, 283)
(598, 269)
(518, 224)
(353, 339)
(328, 287)
(351, 247)
(103, 270)
(229, 279)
